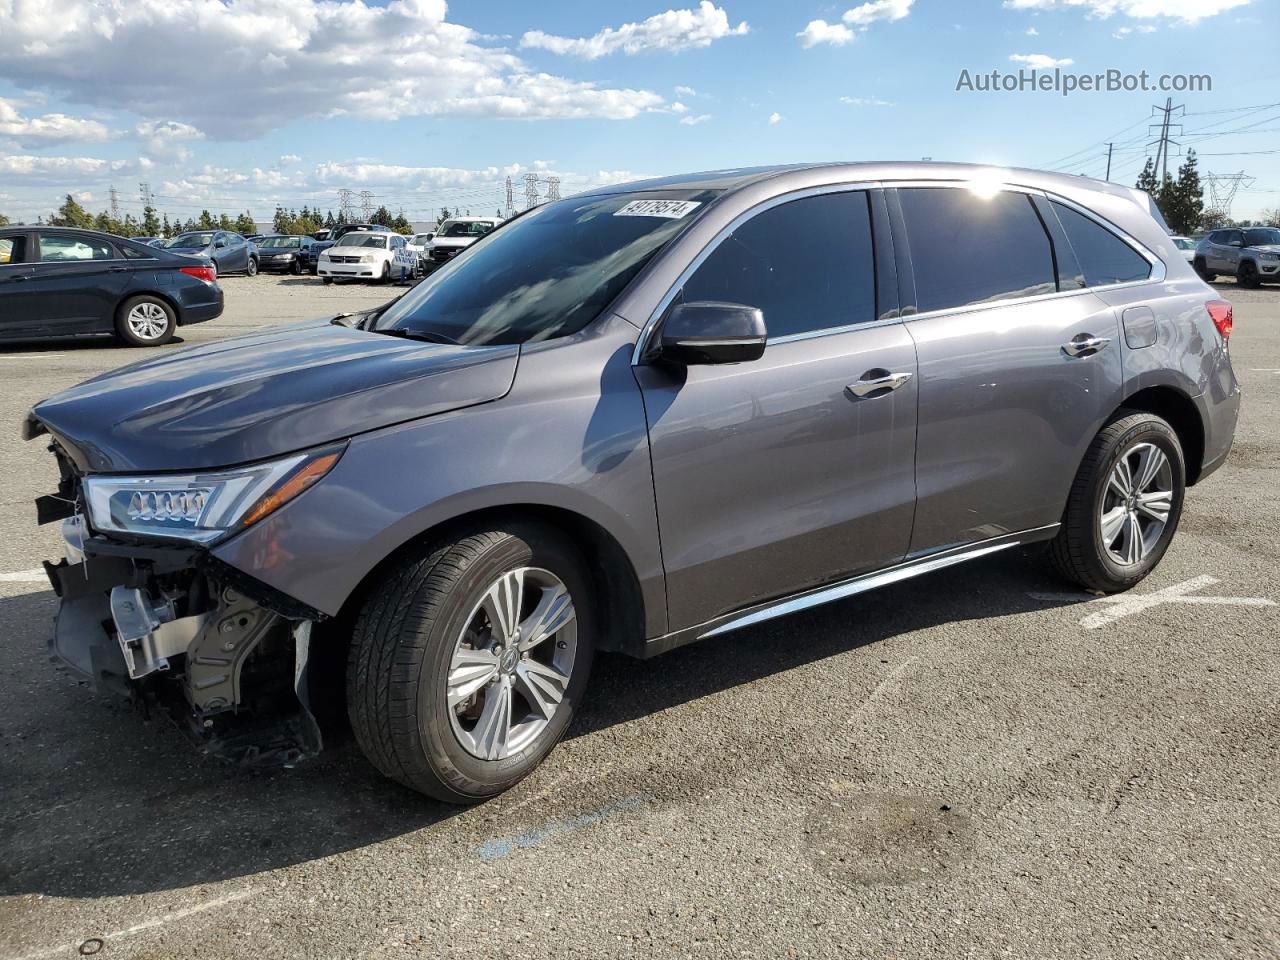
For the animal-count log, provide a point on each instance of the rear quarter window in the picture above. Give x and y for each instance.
(12, 249)
(1104, 257)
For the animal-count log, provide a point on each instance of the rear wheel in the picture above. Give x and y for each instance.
(386, 273)
(145, 321)
(1247, 275)
(327, 280)
(1124, 505)
(467, 662)
(1203, 270)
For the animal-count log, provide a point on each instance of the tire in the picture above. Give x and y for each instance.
(327, 280)
(1083, 551)
(386, 274)
(1247, 275)
(145, 321)
(251, 268)
(1201, 269)
(428, 612)
(295, 267)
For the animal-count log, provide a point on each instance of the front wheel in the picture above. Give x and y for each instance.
(467, 662)
(145, 321)
(1202, 268)
(251, 268)
(327, 280)
(1247, 276)
(295, 267)
(386, 273)
(1124, 505)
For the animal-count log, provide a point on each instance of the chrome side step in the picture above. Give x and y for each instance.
(847, 588)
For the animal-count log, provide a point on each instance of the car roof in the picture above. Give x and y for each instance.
(804, 174)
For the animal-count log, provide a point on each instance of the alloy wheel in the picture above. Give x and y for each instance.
(147, 321)
(512, 663)
(1136, 504)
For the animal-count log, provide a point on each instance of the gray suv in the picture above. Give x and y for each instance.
(1250, 254)
(627, 421)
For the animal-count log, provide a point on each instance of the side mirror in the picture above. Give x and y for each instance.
(431, 236)
(220, 243)
(712, 332)
(1236, 243)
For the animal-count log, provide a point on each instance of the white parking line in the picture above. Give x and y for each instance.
(25, 576)
(891, 682)
(1126, 604)
(106, 938)
(30, 356)
(498, 847)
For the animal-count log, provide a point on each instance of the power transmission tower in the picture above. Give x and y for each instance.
(553, 188)
(115, 203)
(1163, 142)
(345, 207)
(366, 204)
(1110, 147)
(531, 191)
(509, 210)
(1222, 191)
(144, 191)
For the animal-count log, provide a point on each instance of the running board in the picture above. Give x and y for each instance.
(846, 588)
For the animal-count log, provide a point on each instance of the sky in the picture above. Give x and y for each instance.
(246, 104)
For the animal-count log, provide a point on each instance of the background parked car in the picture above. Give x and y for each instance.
(337, 233)
(284, 253)
(368, 255)
(230, 252)
(1186, 246)
(1251, 255)
(57, 282)
(456, 234)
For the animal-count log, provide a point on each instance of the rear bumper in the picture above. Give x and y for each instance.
(1219, 410)
(197, 306)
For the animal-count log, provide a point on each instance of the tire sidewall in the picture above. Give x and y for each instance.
(470, 777)
(1150, 430)
(125, 332)
(251, 268)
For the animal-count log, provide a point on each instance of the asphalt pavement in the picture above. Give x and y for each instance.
(981, 763)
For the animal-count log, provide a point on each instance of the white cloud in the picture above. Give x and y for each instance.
(288, 159)
(693, 121)
(672, 31)
(775, 118)
(863, 15)
(1123, 32)
(686, 92)
(49, 170)
(163, 139)
(49, 128)
(855, 20)
(1040, 61)
(1188, 11)
(1032, 32)
(319, 58)
(866, 102)
(678, 107)
(819, 31)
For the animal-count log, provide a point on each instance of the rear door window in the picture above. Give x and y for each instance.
(970, 248)
(1105, 258)
(807, 264)
(12, 249)
(56, 248)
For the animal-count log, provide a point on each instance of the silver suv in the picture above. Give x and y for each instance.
(626, 421)
(1250, 254)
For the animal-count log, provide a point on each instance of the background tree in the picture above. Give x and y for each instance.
(165, 229)
(400, 224)
(444, 215)
(1270, 218)
(1182, 200)
(329, 222)
(4, 221)
(206, 221)
(1147, 178)
(150, 225)
(245, 224)
(71, 214)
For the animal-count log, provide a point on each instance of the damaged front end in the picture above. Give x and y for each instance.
(171, 626)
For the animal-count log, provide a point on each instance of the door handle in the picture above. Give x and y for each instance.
(877, 383)
(119, 269)
(1084, 345)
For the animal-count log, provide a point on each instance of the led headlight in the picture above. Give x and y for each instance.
(1271, 256)
(202, 507)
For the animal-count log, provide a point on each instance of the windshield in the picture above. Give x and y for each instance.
(1182, 243)
(471, 228)
(280, 242)
(1261, 237)
(362, 240)
(192, 240)
(546, 274)
(420, 238)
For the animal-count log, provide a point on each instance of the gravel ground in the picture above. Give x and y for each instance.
(977, 764)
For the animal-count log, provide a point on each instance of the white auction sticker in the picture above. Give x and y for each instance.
(670, 209)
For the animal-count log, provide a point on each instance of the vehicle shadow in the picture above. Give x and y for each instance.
(100, 802)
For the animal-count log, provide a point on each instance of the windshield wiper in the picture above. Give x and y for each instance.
(416, 335)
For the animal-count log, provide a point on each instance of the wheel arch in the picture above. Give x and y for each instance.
(1178, 410)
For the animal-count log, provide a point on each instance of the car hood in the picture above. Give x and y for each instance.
(453, 241)
(265, 395)
(190, 251)
(1266, 247)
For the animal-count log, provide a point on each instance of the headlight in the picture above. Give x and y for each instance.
(1270, 256)
(366, 258)
(206, 506)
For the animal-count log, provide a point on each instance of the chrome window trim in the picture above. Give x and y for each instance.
(646, 332)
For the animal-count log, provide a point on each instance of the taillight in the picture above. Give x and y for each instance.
(207, 274)
(1220, 312)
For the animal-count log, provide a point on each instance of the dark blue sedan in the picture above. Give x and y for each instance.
(58, 282)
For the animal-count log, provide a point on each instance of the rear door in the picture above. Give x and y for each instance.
(1017, 363)
(77, 284)
(17, 316)
(775, 476)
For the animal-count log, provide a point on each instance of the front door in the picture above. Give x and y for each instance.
(793, 470)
